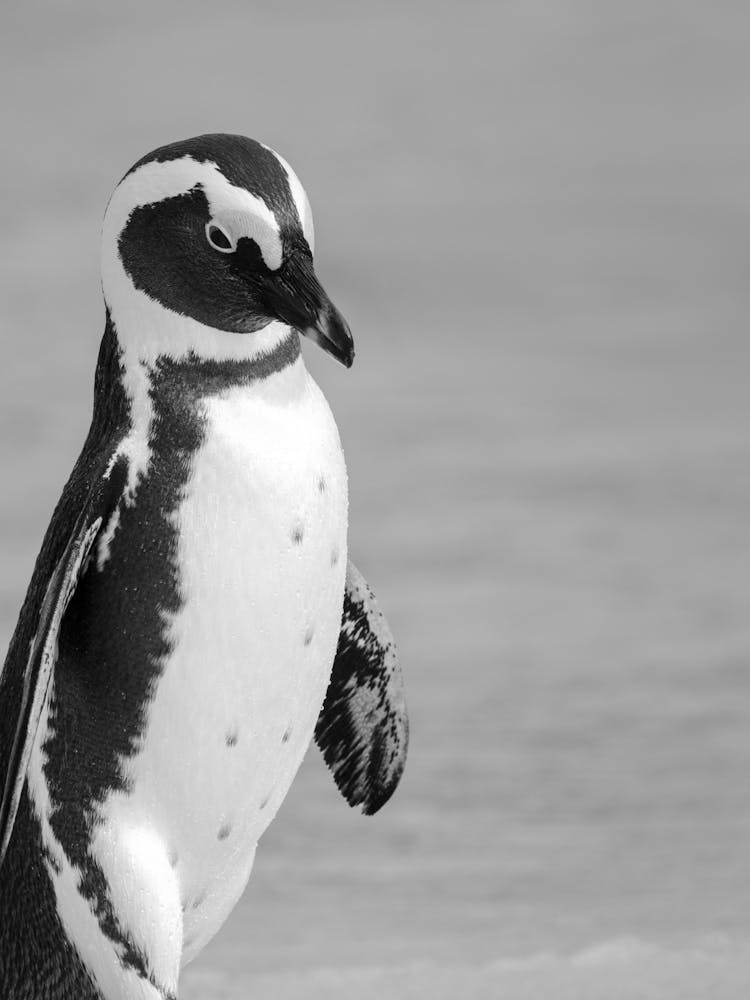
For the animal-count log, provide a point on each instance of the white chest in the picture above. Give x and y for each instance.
(261, 555)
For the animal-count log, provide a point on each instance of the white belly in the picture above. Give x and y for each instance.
(262, 558)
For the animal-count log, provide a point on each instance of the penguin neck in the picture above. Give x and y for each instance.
(146, 395)
(182, 360)
(112, 407)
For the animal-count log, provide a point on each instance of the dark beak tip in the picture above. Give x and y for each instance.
(331, 333)
(345, 355)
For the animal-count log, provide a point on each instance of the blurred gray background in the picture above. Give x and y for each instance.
(536, 217)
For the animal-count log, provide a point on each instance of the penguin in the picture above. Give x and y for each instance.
(193, 621)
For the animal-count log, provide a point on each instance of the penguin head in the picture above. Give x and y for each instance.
(207, 248)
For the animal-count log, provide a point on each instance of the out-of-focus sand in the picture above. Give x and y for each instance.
(536, 218)
(615, 970)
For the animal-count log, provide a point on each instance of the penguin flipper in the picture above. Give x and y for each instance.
(43, 653)
(363, 727)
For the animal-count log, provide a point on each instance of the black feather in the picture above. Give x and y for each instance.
(363, 727)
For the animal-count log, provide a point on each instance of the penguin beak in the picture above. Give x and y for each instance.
(331, 332)
(294, 295)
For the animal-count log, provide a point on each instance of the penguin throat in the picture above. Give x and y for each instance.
(165, 376)
(152, 339)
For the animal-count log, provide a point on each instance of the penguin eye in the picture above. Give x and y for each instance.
(219, 238)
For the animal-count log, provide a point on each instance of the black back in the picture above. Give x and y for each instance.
(36, 960)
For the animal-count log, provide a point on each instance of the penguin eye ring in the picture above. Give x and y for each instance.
(219, 238)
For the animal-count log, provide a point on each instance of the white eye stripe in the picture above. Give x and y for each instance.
(300, 199)
(219, 238)
(241, 212)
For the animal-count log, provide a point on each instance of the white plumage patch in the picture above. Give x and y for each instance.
(104, 541)
(234, 710)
